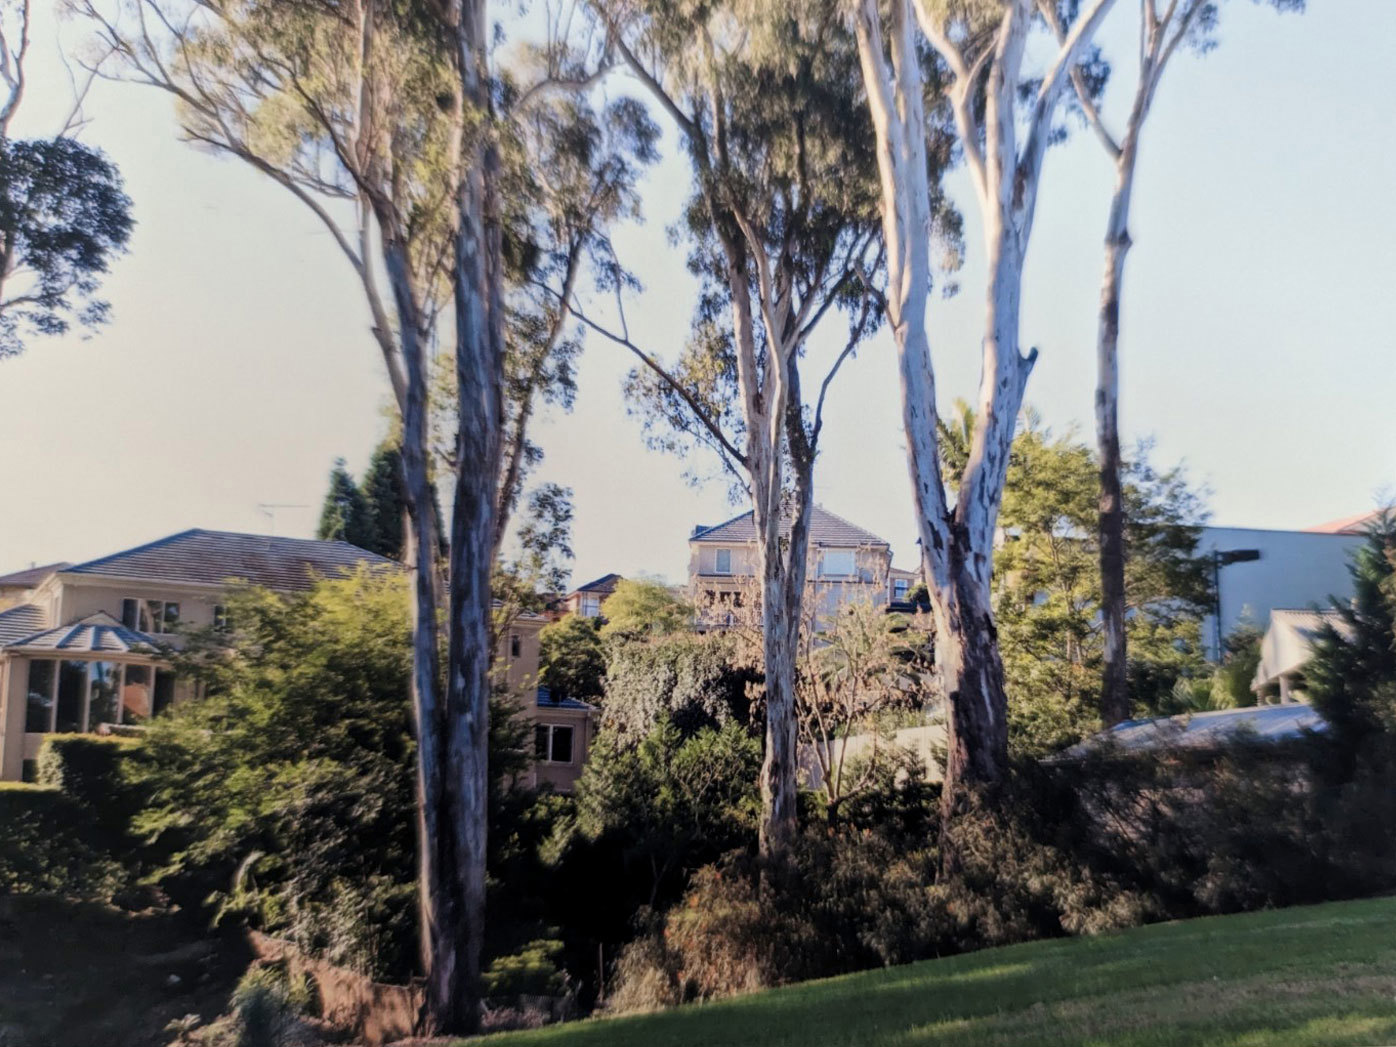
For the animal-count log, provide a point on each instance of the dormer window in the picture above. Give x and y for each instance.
(723, 561)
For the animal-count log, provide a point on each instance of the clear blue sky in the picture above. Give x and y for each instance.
(1258, 330)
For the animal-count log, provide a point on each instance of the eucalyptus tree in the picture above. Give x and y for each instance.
(781, 227)
(1004, 117)
(64, 214)
(1180, 23)
(384, 120)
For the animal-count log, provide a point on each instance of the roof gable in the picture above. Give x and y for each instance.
(31, 576)
(19, 622)
(825, 528)
(605, 584)
(202, 557)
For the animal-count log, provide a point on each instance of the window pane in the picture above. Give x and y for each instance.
(540, 743)
(135, 694)
(171, 618)
(150, 617)
(513, 645)
(164, 690)
(131, 614)
(40, 710)
(838, 563)
(562, 745)
(103, 706)
(724, 561)
(72, 695)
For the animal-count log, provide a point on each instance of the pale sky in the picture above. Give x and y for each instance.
(1257, 332)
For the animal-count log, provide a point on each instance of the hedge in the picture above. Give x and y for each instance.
(89, 770)
(52, 844)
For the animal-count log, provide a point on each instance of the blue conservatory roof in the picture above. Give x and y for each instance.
(98, 633)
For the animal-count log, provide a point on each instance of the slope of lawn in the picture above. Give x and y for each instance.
(1317, 975)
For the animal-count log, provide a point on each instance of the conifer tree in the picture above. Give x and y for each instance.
(345, 514)
(386, 500)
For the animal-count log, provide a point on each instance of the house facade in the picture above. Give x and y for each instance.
(847, 564)
(585, 601)
(85, 647)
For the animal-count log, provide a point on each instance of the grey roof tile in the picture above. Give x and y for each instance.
(825, 529)
(1208, 730)
(98, 633)
(216, 557)
(31, 576)
(23, 620)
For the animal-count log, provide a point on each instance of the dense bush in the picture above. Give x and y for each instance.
(52, 844)
(95, 773)
(692, 681)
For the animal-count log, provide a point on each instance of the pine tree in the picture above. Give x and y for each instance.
(1351, 677)
(386, 500)
(345, 516)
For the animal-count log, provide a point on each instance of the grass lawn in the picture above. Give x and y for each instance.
(1318, 975)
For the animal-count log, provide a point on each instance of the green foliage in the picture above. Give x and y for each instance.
(345, 516)
(286, 795)
(667, 805)
(1047, 583)
(63, 217)
(1351, 676)
(572, 658)
(385, 500)
(641, 608)
(692, 680)
(532, 971)
(52, 844)
(94, 772)
(264, 1013)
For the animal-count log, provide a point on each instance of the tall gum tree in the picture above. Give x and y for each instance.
(782, 228)
(380, 119)
(1004, 122)
(1185, 23)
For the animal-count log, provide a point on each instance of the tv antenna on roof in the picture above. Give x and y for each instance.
(268, 509)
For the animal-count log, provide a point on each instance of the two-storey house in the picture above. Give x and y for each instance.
(846, 564)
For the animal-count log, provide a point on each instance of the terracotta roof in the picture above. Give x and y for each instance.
(825, 529)
(215, 557)
(605, 584)
(1357, 524)
(21, 621)
(98, 633)
(31, 576)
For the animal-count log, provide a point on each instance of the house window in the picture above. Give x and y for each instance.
(38, 716)
(164, 691)
(72, 696)
(135, 694)
(837, 563)
(514, 645)
(103, 704)
(221, 621)
(552, 743)
(723, 563)
(150, 616)
(899, 588)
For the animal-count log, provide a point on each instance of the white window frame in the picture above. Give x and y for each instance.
(550, 728)
(718, 554)
(826, 572)
(86, 727)
(900, 587)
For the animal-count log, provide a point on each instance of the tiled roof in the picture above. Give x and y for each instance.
(825, 529)
(545, 700)
(98, 633)
(31, 576)
(24, 620)
(1207, 730)
(1357, 524)
(215, 557)
(605, 584)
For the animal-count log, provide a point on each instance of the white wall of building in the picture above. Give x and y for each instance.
(1296, 569)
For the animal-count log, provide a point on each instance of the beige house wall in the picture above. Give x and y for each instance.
(14, 678)
(870, 580)
(79, 597)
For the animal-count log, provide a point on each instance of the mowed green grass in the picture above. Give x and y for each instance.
(1317, 975)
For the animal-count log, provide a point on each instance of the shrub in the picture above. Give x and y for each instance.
(532, 971)
(50, 845)
(95, 772)
(263, 1010)
(692, 681)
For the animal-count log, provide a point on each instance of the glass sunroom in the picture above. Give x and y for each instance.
(93, 672)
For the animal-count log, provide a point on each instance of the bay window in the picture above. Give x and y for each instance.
(72, 695)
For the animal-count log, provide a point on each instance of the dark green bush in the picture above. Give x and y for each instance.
(50, 845)
(94, 772)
